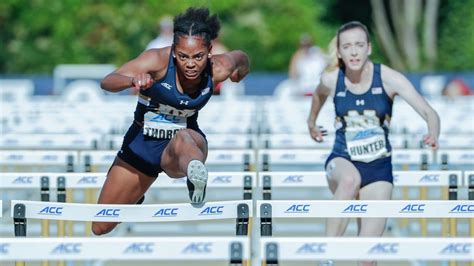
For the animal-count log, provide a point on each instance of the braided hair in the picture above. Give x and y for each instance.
(196, 22)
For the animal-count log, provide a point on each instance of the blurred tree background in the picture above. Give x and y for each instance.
(37, 35)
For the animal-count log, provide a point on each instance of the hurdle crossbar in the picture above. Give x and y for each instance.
(130, 213)
(369, 209)
(96, 180)
(129, 248)
(400, 178)
(351, 248)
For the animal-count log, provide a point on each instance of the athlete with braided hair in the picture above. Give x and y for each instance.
(174, 83)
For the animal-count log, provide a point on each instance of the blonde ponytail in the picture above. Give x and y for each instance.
(333, 59)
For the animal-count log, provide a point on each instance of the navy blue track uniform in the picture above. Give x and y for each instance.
(161, 112)
(362, 122)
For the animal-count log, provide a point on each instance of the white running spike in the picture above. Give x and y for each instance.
(197, 175)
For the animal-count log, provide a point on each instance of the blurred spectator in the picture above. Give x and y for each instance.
(165, 36)
(456, 87)
(306, 66)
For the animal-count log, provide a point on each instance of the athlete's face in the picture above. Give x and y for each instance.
(353, 48)
(191, 53)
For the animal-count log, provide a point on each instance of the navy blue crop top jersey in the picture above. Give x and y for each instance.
(164, 110)
(160, 113)
(362, 120)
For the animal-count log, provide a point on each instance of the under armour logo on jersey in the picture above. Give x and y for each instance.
(183, 102)
(166, 85)
(360, 102)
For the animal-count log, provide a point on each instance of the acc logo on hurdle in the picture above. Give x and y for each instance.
(429, 179)
(108, 213)
(166, 212)
(298, 208)
(413, 208)
(213, 210)
(384, 248)
(293, 179)
(463, 208)
(52, 210)
(67, 248)
(356, 208)
(457, 248)
(88, 180)
(222, 179)
(23, 180)
(312, 248)
(198, 247)
(140, 248)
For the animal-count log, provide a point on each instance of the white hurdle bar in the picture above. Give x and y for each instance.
(277, 249)
(400, 178)
(234, 249)
(219, 141)
(96, 180)
(37, 157)
(130, 212)
(298, 157)
(244, 158)
(365, 209)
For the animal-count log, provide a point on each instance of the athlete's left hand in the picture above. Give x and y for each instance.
(431, 141)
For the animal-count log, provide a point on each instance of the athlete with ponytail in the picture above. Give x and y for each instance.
(174, 83)
(359, 166)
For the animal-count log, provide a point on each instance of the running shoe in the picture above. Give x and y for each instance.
(197, 182)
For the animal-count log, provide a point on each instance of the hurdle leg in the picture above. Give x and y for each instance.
(45, 194)
(424, 195)
(453, 195)
(444, 221)
(452, 233)
(471, 233)
(405, 196)
(89, 199)
(444, 195)
(271, 255)
(69, 224)
(19, 221)
(423, 221)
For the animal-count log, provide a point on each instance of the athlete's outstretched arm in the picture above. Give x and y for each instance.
(399, 84)
(319, 98)
(137, 73)
(234, 65)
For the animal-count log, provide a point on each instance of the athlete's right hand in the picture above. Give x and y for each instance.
(317, 133)
(142, 81)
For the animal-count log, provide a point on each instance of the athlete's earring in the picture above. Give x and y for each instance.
(174, 56)
(209, 55)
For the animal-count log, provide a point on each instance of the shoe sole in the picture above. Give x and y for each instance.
(197, 176)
